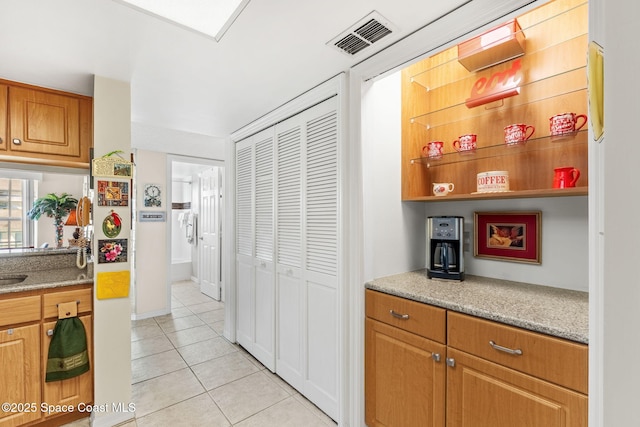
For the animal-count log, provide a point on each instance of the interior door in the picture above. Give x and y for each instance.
(209, 233)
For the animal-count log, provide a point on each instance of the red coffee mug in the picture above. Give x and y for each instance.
(516, 134)
(565, 125)
(565, 177)
(465, 144)
(433, 150)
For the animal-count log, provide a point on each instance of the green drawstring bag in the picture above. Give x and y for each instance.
(68, 354)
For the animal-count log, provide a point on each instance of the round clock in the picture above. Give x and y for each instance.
(152, 195)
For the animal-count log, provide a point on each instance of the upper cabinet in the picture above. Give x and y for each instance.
(43, 126)
(486, 92)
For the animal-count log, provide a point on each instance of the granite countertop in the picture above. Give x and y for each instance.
(44, 269)
(559, 312)
(43, 279)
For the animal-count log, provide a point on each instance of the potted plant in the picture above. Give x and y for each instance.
(55, 207)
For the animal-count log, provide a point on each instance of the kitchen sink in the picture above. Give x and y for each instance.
(12, 279)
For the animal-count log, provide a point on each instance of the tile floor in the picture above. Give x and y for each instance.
(185, 373)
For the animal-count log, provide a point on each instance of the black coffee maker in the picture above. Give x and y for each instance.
(445, 259)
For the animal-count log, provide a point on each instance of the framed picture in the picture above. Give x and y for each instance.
(152, 196)
(112, 167)
(112, 250)
(508, 236)
(113, 193)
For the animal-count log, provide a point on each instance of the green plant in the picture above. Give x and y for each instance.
(56, 207)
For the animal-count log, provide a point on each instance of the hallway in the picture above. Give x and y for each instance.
(185, 373)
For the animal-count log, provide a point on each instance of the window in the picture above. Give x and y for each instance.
(14, 204)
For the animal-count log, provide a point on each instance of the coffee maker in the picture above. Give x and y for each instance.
(445, 259)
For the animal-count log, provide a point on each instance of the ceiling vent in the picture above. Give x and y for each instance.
(363, 34)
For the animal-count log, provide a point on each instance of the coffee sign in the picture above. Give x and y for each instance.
(500, 85)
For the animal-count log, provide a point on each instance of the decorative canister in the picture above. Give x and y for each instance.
(493, 181)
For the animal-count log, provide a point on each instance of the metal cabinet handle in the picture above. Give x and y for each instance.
(495, 346)
(450, 361)
(50, 332)
(16, 141)
(435, 357)
(398, 315)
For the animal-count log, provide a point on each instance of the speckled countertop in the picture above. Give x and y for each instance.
(558, 312)
(43, 270)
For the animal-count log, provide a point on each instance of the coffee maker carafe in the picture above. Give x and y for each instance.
(445, 247)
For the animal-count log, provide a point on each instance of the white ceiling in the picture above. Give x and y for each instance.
(181, 80)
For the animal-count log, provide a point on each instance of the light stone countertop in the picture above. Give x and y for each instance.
(559, 312)
(44, 279)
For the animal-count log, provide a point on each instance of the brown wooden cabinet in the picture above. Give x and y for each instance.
(27, 320)
(502, 376)
(439, 103)
(404, 365)
(496, 375)
(20, 373)
(44, 126)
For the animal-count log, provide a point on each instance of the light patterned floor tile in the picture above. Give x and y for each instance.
(145, 331)
(206, 350)
(161, 392)
(247, 396)
(217, 372)
(288, 413)
(155, 365)
(173, 325)
(149, 346)
(194, 412)
(191, 336)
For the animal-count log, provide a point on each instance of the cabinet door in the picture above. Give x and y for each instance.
(484, 394)
(404, 378)
(20, 373)
(74, 390)
(45, 123)
(4, 97)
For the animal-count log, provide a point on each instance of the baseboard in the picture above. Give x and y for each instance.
(136, 316)
(111, 419)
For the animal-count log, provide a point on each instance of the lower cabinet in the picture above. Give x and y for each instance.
(26, 326)
(483, 374)
(405, 378)
(20, 373)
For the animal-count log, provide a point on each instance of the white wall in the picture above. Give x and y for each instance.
(111, 317)
(152, 255)
(616, 233)
(395, 230)
(173, 141)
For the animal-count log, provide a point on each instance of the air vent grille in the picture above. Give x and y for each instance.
(373, 31)
(363, 34)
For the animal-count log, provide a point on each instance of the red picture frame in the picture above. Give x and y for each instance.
(508, 236)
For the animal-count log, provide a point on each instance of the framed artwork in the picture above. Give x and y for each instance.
(152, 196)
(508, 236)
(112, 250)
(113, 193)
(113, 167)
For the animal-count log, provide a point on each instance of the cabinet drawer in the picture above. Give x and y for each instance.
(19, 310)
(553, 359)
(52, 300)
(412, 316)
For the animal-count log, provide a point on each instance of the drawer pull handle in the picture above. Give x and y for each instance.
(398, 315)
(495, 346)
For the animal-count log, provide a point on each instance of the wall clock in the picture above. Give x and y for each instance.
(152, 196)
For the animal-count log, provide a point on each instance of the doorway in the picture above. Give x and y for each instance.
(196, 223)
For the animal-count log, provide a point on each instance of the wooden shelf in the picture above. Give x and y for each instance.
(440, 103)
(524, 194)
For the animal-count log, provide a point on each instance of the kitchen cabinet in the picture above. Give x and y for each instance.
(404, 363)
(287, 250)
(503, 376)
(26, 322)
(440, 103)
(44, 126)
(20, 359)
(79, 389)
(481, 373)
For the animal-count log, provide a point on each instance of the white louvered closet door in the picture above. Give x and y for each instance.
(307, 259)
(245, 233)
(264, 305)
